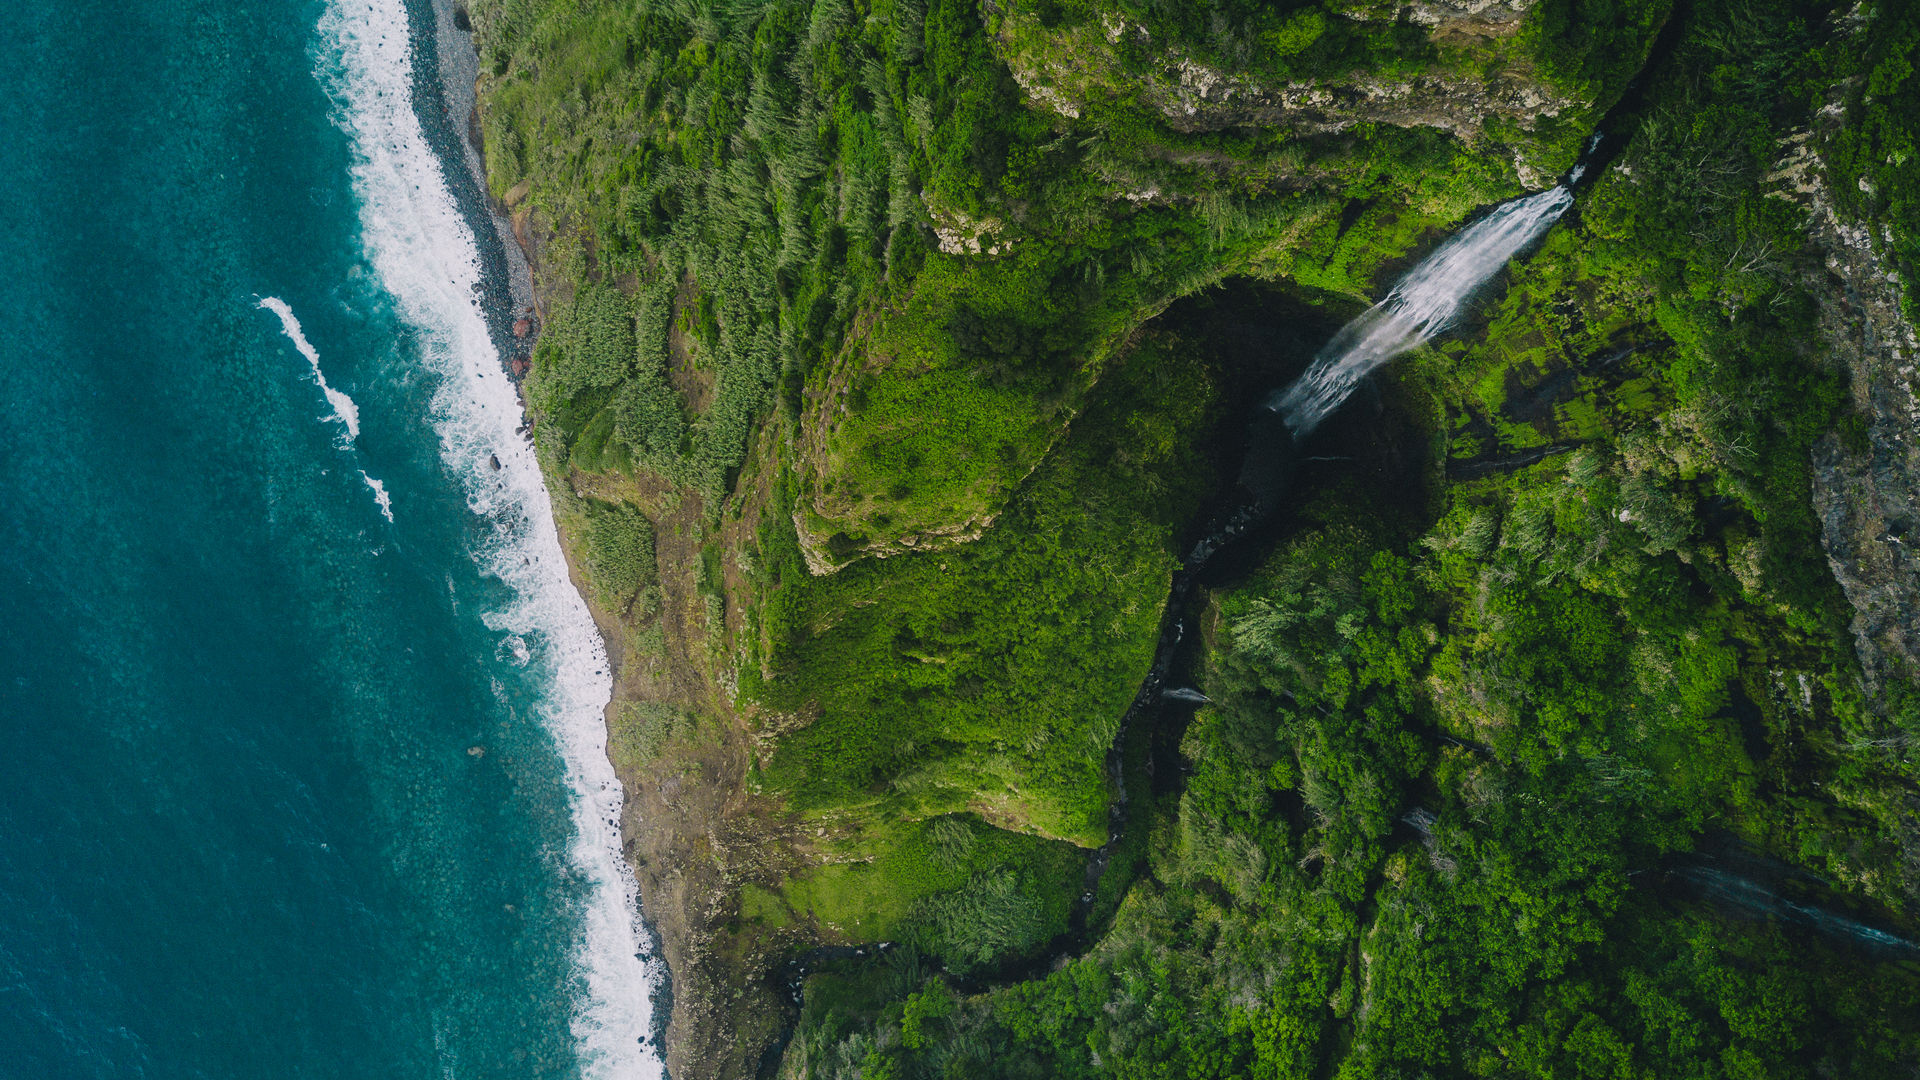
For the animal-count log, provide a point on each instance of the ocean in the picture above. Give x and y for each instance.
(302, 766)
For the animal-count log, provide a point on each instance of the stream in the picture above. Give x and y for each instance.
(1742, 882)
(1426, 302)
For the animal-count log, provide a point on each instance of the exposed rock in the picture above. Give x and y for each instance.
(1868, 502)
(818, 549)
(1194, 97)
(1044, 95)
(1077, 65)
(1484, 17)
(963, 234)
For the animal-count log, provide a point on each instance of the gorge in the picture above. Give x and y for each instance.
(892, 353)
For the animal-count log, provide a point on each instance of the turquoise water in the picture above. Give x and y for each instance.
(287, 788)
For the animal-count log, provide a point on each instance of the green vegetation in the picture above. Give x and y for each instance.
(1873, 156)
(957, 890)
(617, 547)
(991, 677)
(640, 731)
(887, 286)
(760, 191)
(1456, 750)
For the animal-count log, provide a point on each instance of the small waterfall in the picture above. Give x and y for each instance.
(1748, 895)
(1422, 305)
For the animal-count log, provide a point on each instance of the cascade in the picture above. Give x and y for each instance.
(1423, 304)
(1749, 895)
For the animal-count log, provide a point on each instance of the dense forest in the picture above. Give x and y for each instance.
(1556, 726)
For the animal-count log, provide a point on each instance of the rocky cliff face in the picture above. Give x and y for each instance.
(1869, 502)
(1478, 80)
(1868, 497)
(1462, 16)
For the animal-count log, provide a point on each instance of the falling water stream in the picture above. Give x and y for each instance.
(1425, 303)
(1757, 899)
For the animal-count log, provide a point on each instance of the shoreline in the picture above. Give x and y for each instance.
(506, 276)
(506, 292)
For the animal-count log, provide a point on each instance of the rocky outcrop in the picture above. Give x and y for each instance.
(1063, 71)
(1195, 97)
(1458, 16)
(1867, 497)
(960, 233)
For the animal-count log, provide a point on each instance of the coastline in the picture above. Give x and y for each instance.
(692, 832)
(453, 130)
(506, 279)
(684, 825)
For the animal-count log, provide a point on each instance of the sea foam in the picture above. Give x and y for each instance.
(425, 257)
(344, 410)
(380, 497)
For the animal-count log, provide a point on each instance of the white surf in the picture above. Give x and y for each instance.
(380, 497)
(344, 410)
(425, 258)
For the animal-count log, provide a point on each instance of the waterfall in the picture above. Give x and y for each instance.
(1422, 305)
(1752, 896)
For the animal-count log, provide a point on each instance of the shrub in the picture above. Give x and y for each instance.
(617, 550)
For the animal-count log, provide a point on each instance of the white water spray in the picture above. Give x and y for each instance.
(1423, 304)
(380, 497)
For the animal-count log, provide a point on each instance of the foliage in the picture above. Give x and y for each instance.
(909, 880)
(1593, 45)
(1449, 809)
(1438, 818)
(994, 916)
(639, 732)
(992, 676)
(617, 550)
(935, 1002)
(743, 183)
(1875, 155)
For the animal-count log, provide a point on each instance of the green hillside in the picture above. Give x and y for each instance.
(894, 352)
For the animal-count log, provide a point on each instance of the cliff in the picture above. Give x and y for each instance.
(896, 351)
(1867, 496)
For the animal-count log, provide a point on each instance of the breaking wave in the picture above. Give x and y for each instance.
(344, 410)
(380, 497)
(425, 258)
